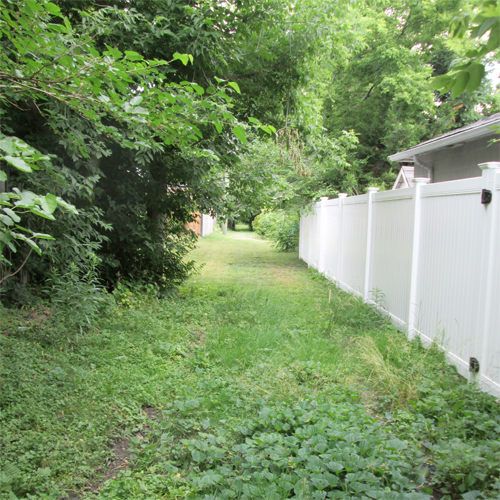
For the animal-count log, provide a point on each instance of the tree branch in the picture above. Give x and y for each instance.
(14, 273)
(366, 96)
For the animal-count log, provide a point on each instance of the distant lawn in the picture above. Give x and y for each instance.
(258, 379)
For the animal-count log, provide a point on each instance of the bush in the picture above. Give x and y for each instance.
(279, 226)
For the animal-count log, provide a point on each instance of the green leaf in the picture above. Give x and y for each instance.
(471, 495)
(494, 40)
(43, 214)
(53, 9)
(7, 220)
(12, 214)
(7, 145)
(235, 86)
(49, 203)
(184, 58)
(133, 56)
(440, 81)
(218, 126)
(198, 456)
(484, 27)
(476, 74)
(199, 90)
(42, 236)
(239, 132)
(67, 205)
(19, 163)
(31, 243)
(3, 176)
(27, 199)
(460, 84)
(254, 120)
(136, 100)
(139, 110)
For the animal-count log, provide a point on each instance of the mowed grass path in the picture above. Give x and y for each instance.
(257, 379)
(267, 308)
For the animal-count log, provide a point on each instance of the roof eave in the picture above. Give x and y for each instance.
(465, 136)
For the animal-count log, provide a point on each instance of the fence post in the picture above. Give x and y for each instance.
(322, 234)
(341, 222)
(371, 193)
(490, 171)
(413, 307)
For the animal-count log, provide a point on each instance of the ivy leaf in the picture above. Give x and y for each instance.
(471, 495)
(198, 456)
(19, 163)
(239, 132)
(235, 86)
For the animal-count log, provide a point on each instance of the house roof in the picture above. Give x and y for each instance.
(470, 132)
(405, 177)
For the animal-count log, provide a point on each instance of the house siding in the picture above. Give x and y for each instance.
(459, 162)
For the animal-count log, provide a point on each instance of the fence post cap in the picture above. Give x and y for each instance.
(373, 189)
(421, 180)
(342, 195)
(489, 165)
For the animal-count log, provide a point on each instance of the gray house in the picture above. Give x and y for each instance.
(455, 155)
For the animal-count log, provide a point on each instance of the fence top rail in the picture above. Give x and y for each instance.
(472, 185)
(353, 200)
(396, 194)
(332, 203)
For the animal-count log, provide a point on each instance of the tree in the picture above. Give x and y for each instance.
(381, 88)
(69, 94)
(479, 34)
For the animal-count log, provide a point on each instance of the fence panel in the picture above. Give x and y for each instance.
(451, 259)
(389, 286)
(354, 228)
(207, 224)
(331, 257)
(490, 353)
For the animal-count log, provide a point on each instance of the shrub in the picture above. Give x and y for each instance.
(279, 226)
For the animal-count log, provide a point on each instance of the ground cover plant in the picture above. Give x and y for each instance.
(256, 379)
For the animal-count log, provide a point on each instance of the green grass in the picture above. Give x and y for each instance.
(214, 391)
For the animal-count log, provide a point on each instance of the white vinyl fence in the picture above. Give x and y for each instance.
(207, 224)
(428, 256)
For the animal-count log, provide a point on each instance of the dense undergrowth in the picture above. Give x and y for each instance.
(258, 379)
